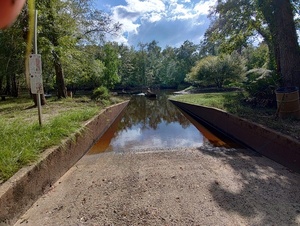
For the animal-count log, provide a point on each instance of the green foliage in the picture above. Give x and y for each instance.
(233, 23)
(216, 70)
(65, 29)
(127, 66)
(260, 84)
(100, 93)
(256, 57)
(152, 66)
(110, 76)
(238, 23)
(85, 72)
(12, 58)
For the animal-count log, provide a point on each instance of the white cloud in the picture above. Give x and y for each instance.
(203, 6)
(155, 17)
(147, 20)
(179, 11)
(145, 6)
(127, 19)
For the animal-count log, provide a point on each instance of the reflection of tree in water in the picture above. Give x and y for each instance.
(149, 113)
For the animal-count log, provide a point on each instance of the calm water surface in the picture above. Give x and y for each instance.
(153, 123)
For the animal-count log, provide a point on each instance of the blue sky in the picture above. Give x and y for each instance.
(170, 22)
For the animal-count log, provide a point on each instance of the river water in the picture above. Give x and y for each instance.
(154, 124)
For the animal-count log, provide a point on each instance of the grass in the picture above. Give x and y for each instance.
(232, 102)
(23, 139)
(217, 100)
(228, 101)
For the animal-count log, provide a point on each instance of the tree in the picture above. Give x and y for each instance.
(12, 54)
(217, 70)
(153, 63)
(236, 22)
(65, 26)
(85, 69)
(169, 76)
(57, 29)
(256, 56)
(187, 55)
(280, 19)
(126, 66)
(110, 76)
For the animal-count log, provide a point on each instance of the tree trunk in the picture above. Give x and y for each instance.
(286, 38)
(7, 87)
(14, 86)
(60, 80)
(280, 18)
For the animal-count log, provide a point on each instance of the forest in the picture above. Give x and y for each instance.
(251, 45)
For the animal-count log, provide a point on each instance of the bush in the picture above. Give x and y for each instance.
(217, 70)
(260, 85)
(100, 93)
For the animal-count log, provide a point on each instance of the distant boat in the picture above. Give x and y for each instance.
(150, 94)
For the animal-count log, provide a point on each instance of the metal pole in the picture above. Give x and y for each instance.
(38, 96)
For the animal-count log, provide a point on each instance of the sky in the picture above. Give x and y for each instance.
(169, 22)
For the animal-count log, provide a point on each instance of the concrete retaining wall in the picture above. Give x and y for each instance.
(276, 146)
(26, 186)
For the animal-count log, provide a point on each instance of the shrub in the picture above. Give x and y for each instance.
(260, 85)
(100, 93)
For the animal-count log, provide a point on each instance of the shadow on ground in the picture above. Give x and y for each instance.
(266, 192)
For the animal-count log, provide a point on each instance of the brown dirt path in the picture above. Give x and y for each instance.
(207, 186)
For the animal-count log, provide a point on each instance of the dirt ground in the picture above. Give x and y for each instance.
(199, 186)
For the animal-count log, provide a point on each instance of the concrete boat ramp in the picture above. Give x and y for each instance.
(199, 186)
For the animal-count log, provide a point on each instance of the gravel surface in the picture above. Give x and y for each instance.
(198, 186)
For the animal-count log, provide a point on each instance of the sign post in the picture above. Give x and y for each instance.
(35, 72)
(36, 80)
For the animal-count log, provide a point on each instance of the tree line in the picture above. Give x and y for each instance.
(76, 55)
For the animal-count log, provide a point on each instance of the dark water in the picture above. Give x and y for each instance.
(154, 123)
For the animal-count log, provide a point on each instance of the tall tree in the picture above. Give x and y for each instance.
(57, 29)
(140, 60)
(153, 63)
(236, 22)
(12, 54)
(169, 76)
(127, 66)
(65, 25)
(280, 19)
(110, 77)
(187, 55)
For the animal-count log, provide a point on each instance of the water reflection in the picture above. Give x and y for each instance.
(148, 123)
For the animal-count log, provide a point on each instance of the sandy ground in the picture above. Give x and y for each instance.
(207, 186)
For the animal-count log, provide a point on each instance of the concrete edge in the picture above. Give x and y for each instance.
(28, 184)
(281, 148)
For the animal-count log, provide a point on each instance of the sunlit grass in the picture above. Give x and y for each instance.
(23, 139)
(228, 101)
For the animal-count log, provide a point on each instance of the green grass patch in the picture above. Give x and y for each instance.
(228, 101)
(23, 139)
